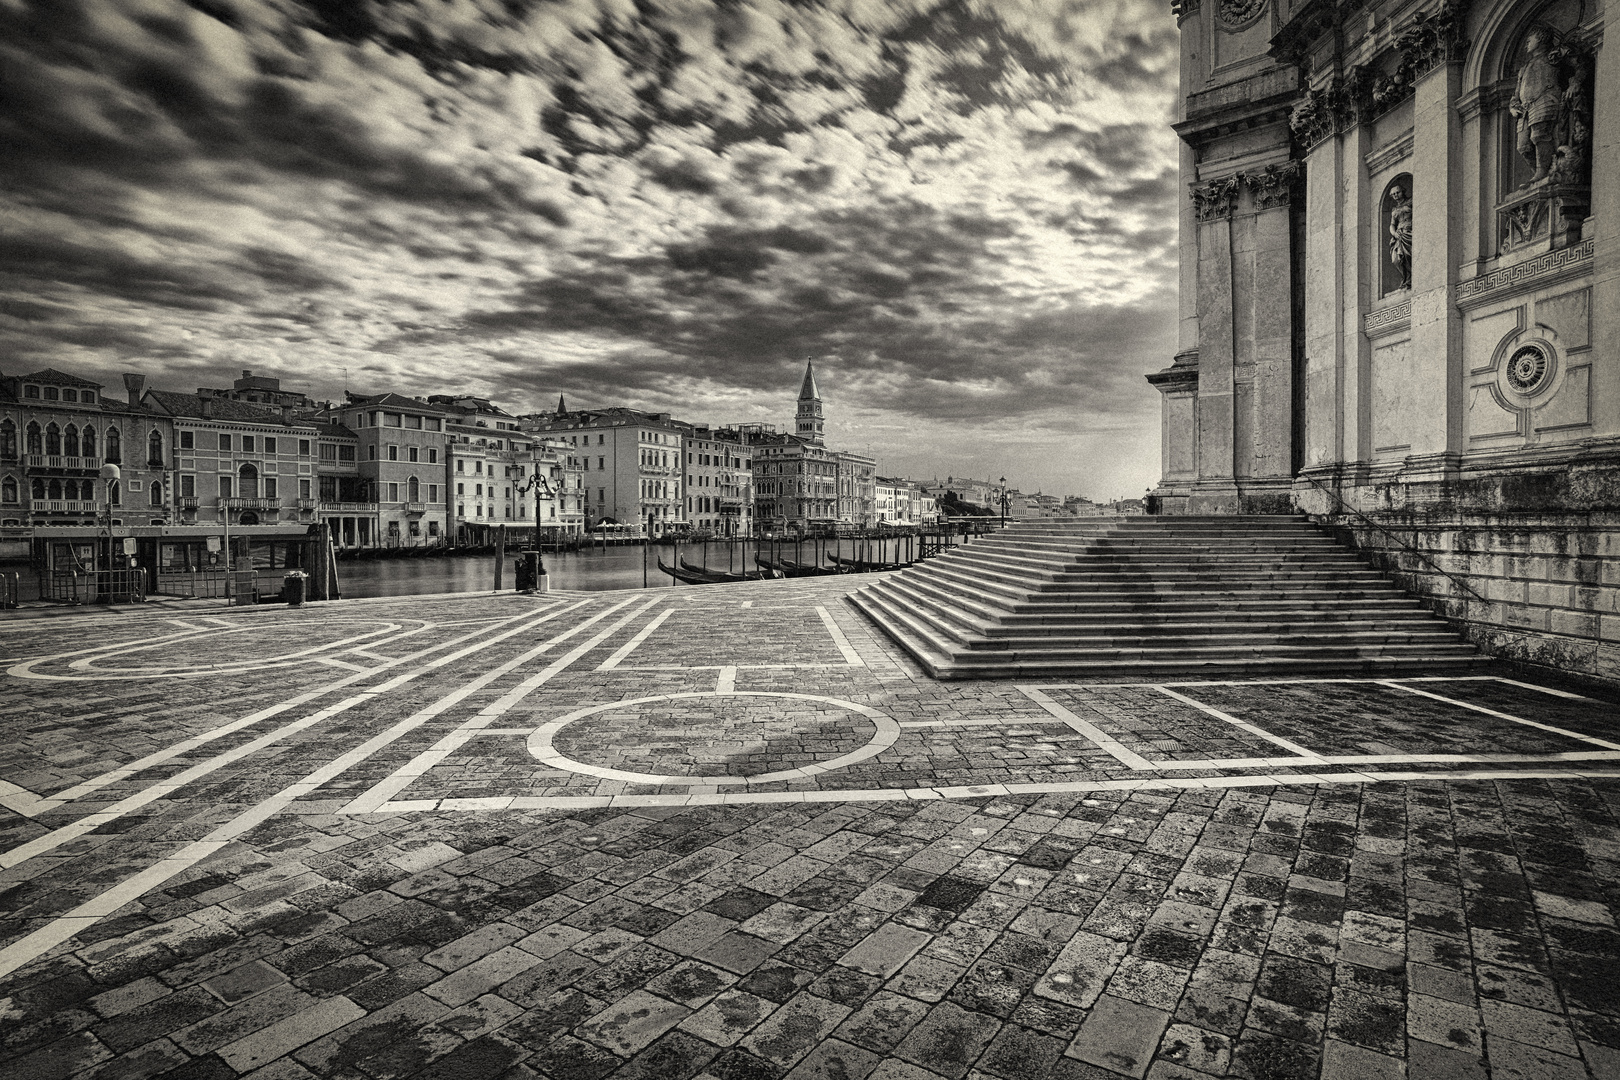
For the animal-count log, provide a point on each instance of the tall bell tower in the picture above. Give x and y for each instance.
(808, 424)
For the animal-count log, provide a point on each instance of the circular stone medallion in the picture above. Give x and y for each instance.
(710, 738)
(1238, 14)
(1528, 369)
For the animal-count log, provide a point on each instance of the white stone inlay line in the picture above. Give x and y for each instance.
(17, 798)
(884, 736)
(390, 786)
(1504, 716)
(726, 681)
(1158, 783)
(630, 646)
(1104, 741)
(851, 657)
(36, 944)
(89, 823)
(247, 663)
(1243, 725)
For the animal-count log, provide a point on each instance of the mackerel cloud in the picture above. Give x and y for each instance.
(965, 209)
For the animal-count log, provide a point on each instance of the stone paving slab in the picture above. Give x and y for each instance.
(219, 858)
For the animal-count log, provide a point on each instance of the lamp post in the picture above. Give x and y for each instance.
(110, 475)
(542, 489)
(1004, 501)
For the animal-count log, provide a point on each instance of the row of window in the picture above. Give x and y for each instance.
(49, 393)
(70, 441)
(398, 420)
(247, 444)
(72, 491)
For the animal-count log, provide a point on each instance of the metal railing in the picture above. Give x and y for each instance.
(192, 584)
(94, 587)
(1402, 544)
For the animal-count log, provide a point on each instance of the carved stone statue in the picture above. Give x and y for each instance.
(1400, 234)
(1537, 102)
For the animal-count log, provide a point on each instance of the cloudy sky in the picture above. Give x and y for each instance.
(964, 209)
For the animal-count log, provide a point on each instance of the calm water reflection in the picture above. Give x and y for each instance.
(597, 569)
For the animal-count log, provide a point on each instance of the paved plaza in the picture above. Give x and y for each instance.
(732, 833)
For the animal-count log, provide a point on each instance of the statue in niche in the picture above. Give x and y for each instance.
(1400, 234)
(1538, 101)
(1569, 161)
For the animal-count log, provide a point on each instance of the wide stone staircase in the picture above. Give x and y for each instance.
(1158, 596)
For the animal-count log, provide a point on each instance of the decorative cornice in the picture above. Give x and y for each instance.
(1182, 374)
(1389, 154)
(1387, 320)
(1533, 273)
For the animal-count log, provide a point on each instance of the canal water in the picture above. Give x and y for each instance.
(597, 568)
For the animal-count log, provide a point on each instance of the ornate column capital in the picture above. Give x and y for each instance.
(1433, 38)
(1183, 9)
(1213, 199)
(1274, 186)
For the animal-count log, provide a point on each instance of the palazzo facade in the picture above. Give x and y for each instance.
(1400, 298)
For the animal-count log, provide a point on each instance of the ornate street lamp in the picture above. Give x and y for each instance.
(541, 486)
(1005, 500)
(110, 475)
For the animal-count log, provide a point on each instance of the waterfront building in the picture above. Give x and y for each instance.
(857, 489)
(490, 460)
(346, 501)
(799, 482)
(402, 447)
(1434, 188)
(260, 390)
(631, 463)
(719, 481)
(237, 463)
(56, 432)
(899, 501)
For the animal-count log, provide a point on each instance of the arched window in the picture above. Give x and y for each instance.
(53, 439)
(87, 442)
(70, 441)
(39, 489)
(54, 490)
(8, 439)
(413, 491)
(154, 450)
(36, 443)
(115, 450)
(70, 490)
(8, 490)
(248, 482)
(157, 493)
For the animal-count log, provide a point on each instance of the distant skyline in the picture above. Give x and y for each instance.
(963, 210)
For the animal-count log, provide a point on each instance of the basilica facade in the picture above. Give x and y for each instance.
(1400, 298)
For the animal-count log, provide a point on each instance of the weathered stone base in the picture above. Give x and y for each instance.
(1524, 558)
(1244, 496)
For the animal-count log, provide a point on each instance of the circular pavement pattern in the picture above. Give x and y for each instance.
(712, 738)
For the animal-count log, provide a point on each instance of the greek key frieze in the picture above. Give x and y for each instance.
(1552, 264)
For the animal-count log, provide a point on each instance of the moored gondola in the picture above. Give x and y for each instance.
(790, 569)
(862, 566)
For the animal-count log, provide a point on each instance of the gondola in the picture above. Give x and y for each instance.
(729, 575)
(699, 576)
(793, 569)
(861, 566)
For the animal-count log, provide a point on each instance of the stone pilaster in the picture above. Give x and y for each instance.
(1434, 430)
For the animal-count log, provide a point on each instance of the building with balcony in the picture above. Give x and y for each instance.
(800, 482)
(631, 463)
(345, 500)
(402, 448)
(57, 431)
(719, 481)
(490, 470)
(239, 464)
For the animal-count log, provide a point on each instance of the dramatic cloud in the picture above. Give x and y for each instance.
(964, 209)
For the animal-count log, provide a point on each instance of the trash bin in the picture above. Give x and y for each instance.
(530, 578)
(294, 587)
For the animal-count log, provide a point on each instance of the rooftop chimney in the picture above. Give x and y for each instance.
(207, 405)
(246, 373)
(136, 385)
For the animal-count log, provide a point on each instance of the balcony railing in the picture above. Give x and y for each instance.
(249, 504)
(415, 508)
(308, 504)
(187, 502)
(59, 461)
(61, 506)
(330, 506)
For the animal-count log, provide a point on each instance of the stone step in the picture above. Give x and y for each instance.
(1178, 596)
(945, 659)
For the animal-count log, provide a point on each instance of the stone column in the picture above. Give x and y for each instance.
(1324, 345)
(1435, 431)
(1271, 289)
(1605, 223)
